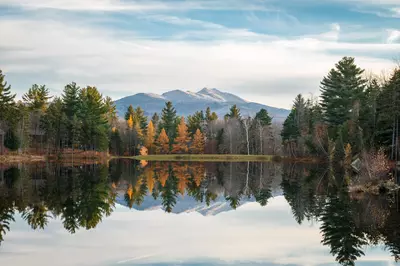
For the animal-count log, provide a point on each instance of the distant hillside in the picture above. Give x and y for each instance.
(186, 103)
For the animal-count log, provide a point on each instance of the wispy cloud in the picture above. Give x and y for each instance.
(393, 36)
(137, 5)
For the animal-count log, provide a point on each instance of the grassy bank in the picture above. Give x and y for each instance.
(208, 157)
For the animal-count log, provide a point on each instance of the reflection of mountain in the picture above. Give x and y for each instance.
(188, 204)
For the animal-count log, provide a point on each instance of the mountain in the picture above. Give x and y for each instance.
(187, 102)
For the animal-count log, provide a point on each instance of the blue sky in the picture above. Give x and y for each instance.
(263, 50)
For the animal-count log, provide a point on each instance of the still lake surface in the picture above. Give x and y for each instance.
(172, 213)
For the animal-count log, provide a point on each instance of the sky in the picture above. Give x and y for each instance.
(250, 235)
(265, 51)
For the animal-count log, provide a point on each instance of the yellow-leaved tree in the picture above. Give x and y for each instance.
(162, 143)
(197, 146)
(182, 139)
(130, 122)
(149, 139)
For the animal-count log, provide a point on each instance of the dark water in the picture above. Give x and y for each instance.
(128, 213)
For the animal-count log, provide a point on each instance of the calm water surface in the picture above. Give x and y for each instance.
(130, 213)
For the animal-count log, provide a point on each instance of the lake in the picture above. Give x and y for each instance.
(197, 213)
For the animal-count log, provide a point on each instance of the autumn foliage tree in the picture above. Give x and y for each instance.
(149, 139)
(198, 144)
(182, 140)
(162, 144)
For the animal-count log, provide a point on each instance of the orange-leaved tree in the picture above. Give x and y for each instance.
(182, 140)
(162, 143)
(197, 146)
(149, 140)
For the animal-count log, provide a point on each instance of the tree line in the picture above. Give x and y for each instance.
(355, 114)
(85, 120)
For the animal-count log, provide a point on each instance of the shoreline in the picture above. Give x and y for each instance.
(32, 158)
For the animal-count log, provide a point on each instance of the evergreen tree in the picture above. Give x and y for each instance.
(55, 122)
(168, 120)
(155, 119)
(182, 139)
(210, 116)
(111, 114)
(93, 116)
(37, 97)
(388, 116)
(6, 100)
(234, 113)
(71, 100)
(340, 90)
(129, 112)
(290, 131)
(263, 117)
(140, 118)
(162, 143)
(197, 146)
(195, 122)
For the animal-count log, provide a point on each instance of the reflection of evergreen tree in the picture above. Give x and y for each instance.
(93, 203)
(293, 192)
(234, 201)
(36, 216)
(339, 230)
(70, 216)
(6, 217)
(263, 195)
(169, 192)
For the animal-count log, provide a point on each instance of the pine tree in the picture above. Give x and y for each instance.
(140, 118)
(168, 120)
(340, 90)
(6, 99)
(155, 119)
(234, 113)
(290, 131)
(388, 116)
(150, 134)
(111, 114)
(182, 139)
(37, 97)
(129, 112)
(93, 116)
(162, 143)
(195, 121)
(210, 116)
(197, 146)
(263, 117)
(71, 99)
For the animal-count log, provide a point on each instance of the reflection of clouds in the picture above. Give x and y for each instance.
(269, 236)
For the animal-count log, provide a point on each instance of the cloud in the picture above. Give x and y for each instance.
(393, 36)
(122, 63)
(137, 5)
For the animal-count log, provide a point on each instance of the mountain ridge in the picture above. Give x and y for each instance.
(188, 102)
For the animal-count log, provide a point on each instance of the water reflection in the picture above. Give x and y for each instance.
(81, 196)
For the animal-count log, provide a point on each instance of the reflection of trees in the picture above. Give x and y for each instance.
(80, 196)
(36, 216)
(339, 229)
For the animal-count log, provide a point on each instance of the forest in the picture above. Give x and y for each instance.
(356, 116)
